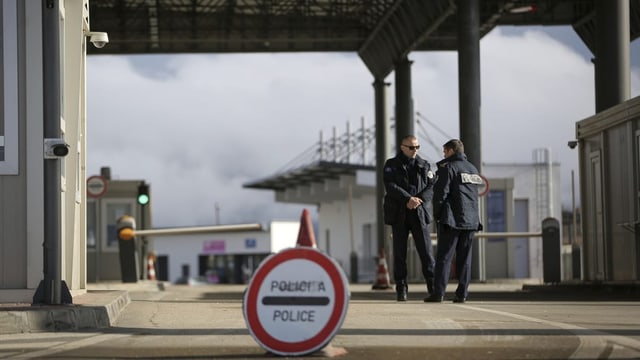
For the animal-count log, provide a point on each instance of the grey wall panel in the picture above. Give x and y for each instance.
(13, 232)
(621, 245)
(610, 192)
(13, 194)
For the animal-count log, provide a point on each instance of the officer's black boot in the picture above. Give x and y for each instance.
(430, 286)
(401, 291)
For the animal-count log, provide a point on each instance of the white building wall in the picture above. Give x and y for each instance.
(334, 219)
(284, 234)
(74, 177)
(524, 177)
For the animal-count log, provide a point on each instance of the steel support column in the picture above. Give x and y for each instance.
(469, 79)
(612, 54)
(469, 100)
(52, 290)
(404, 101)
(382, 152)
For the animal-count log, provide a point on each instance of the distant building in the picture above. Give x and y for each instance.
(520, 196)
(221, 257)
(118, 198)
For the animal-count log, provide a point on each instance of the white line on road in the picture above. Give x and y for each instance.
(69, 346)
(593, 343)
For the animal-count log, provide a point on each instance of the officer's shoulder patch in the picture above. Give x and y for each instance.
(388, 169)
(471, 178)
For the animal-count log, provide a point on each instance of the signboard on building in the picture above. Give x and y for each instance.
(296, 301)
(214, 247)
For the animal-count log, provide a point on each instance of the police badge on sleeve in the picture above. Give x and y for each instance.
(471, 178)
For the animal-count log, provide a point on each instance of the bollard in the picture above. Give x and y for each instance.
(576, 262)
(551, 248)
(354, 267)
(125, 228)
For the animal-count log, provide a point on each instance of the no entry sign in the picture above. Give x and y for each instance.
(296, 301)
(96, 186)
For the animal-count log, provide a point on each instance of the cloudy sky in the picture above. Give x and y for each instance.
(198, 127)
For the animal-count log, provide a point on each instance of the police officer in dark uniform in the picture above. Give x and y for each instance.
(455, 208)
(408, 181)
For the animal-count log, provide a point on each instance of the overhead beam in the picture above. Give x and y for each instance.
(405, 25)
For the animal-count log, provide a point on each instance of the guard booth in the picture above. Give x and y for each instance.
(609, 151)
(107, 201)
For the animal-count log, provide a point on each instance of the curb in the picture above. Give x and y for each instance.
(93, 310)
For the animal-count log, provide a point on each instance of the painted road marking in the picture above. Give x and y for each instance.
(593, 343)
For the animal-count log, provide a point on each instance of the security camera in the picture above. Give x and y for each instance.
(55, 148)
(572, 144)
(98, 39)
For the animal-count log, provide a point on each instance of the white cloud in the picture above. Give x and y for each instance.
(534, 90)
(197, 127)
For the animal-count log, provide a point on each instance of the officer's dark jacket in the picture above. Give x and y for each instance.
(455, 194)
(397, 186)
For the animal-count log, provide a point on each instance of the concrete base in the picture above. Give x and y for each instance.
(90, 311)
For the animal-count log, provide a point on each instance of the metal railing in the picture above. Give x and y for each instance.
(413, 262)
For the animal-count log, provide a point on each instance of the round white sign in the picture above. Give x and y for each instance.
(296, 301)
(96, 186)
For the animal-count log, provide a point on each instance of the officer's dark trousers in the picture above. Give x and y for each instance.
(422, 240)
(453, 242)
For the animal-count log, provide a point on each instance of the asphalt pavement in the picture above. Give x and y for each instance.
(501, 320)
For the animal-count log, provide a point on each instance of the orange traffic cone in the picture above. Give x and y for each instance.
(151, 267)
(305, 234)
(382, 280)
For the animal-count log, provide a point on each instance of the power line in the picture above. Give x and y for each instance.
(434, 125)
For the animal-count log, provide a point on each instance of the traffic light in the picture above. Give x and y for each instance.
(143, 194)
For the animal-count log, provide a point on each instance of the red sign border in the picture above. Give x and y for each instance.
(486, 186)
(100, 194)
(335, 319)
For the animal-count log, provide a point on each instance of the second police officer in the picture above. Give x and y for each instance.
(456, 210)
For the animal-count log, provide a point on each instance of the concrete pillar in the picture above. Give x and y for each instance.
(612, 58)
(469, 100)
(404, 101)
(469, 79)
(382, 152)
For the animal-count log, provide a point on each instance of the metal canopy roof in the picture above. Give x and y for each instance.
(381, 31)
(316, 172)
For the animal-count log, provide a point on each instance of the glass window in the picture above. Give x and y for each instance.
(496, 213)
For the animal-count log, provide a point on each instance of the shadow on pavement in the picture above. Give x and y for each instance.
(528, 293)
